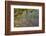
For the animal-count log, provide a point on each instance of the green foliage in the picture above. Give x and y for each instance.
(20, 13)
(25, 14)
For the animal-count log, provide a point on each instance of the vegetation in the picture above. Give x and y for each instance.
(25, 17)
